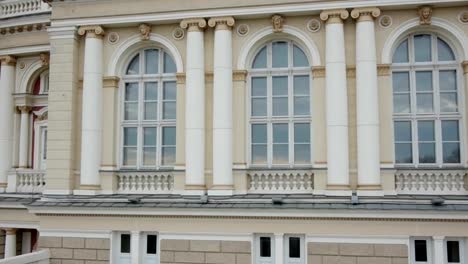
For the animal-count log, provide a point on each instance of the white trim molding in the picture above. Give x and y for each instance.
(25, 50)
(207, 236)
(388, 240)
(29, 75)
(75, 233)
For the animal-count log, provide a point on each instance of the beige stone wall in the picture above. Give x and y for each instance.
(205, 251)
(327, 253)
(76, 250)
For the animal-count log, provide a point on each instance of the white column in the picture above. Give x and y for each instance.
(26, 243)
(135, 252)
(439, 252)
(336, 101)
(10, 243)
(91, 131)
(195, 107)
(279, 248)
(7, 86)
(24, 136)
(367, 98)
(222, 106)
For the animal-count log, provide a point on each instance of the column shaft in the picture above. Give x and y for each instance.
(24, 137)
(7, 86)
(222, 106)
(10, 243)
(91, 132)
(439, 256)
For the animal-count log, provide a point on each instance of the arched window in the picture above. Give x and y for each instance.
(426, 102)
(280, 115)
(149, 111)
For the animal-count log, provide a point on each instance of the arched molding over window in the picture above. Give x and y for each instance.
(132, 45)
(30, 75)
(265, 35)
(455, 37)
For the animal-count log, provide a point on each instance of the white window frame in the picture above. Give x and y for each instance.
(44, 82)
(116, 246)
(144, 244)
(429, 248)
(461, 245)
(269, 72)
(160, 123)
(302, 259)
(413, 117)
(262, 260)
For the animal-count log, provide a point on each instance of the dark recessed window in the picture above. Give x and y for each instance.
(124, 243)
(151, 244)
(420, 250)
(453, 252)
(294, 247)
(265, 247)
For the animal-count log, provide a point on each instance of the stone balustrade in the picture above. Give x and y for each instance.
(13, 8)
(26, 181)
(435, 182)
(280, 181)
(145, 182)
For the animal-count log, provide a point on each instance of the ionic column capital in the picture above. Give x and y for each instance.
(365, 14)
(221, 23)
(8, 60)
(193, 24)
(95, 31)
(24, 109)
(334, 16)
(10, 231)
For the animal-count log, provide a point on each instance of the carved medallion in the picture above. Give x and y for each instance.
(385, 21)
(314, 25)
(243, 30)
(178, 33)
(463, 17)
(113, 37)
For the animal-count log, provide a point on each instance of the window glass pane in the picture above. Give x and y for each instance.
(280, 85)
(448, 102)
(259, 154)
(169, 110)
(425, 102)
(420, 250)
(280, 106)
(401, 103)
(259, 86)
(280, 54)
(151, 111)
(168, 155)
(301, 106)
(427, 153)
(149, 156)
(129, 156)
(422, 51)
(423, 81)
(170, 91)
(134, 65)
(149, 136)
(451, 152)
(169, 136)
(260, 60)
(301, 133)
(259, 133)
(294, 247)
(403, 153)
(402, 131)
(169, 65)
(401, 53)
(259, 107)
(426, 130)
(401, 82)
(151, 91)
(453, 252)
(131, 111)
(265, 247)
(448, 80)
(151, 61)
(444, 51)
(450, 130)
(131, 92)
(130, 136)
(301, 153)
(301, 85)
(280, 153)
(151, 244)
(280, 133)
(299, 58)
(124, 243)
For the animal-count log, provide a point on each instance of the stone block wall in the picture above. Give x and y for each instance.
(73, 250)
(2, 244)
(205, 251)
(343, 253)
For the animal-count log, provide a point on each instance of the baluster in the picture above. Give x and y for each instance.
(160, 182)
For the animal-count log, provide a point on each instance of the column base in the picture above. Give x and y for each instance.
(194, 189)
(338, 190)
(88, 189)
(221, 190)
(370, 190)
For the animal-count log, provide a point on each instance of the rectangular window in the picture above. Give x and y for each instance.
(401, 92)
(280, 95)
(420, 251)
(280, 144)
(424, 92)
(403, 142)
(453, 252)
(130, 146)
(259, 96)
(448, 91)
(151, 244)
(131, 101)
(169, 100)
(125, 243)
(151, 101)
(301, 95)
(149, 146)
(294, 247)
(265, 247)
(302, 143)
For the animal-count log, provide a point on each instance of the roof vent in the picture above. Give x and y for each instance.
(135, 200)
(277, 200)
(437, 201)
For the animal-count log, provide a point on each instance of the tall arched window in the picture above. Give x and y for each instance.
(149, 111)
(426, 102)
(280, 115)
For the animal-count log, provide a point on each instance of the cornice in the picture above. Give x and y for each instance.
(334, 16)
(365, 14)
(221, 23)
(193, 24)
(24, 28)
(94, 31)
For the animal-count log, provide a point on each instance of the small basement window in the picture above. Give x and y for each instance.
(264, 249)
(421, 250)
(454, 251)
(294, 249)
